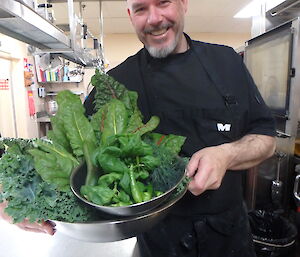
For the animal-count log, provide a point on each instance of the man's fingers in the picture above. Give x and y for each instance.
(43, 227)
(192, 166)
(49, 227)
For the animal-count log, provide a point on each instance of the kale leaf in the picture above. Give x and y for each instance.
(28, 195)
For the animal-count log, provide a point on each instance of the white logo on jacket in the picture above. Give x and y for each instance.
(223, 127)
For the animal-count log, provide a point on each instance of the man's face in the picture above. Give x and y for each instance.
(159, 24)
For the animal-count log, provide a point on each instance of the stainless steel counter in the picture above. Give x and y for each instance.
(15, 242)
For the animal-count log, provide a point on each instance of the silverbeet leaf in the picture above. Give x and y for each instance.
(53, 163)
(58, 133)
(115, 121)
(77, 126)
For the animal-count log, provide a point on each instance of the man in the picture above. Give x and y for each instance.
(204, 92)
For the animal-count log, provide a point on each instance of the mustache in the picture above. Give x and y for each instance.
(151, 29)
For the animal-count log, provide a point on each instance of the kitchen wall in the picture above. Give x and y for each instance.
(15, 51)
(117, 47)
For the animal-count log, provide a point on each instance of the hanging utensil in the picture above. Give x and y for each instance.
(276, 188)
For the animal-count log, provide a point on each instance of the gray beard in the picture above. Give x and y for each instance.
(163, 52)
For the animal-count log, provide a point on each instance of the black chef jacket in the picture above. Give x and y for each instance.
(207, 95)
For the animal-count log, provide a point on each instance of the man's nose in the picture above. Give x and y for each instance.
(154, 16)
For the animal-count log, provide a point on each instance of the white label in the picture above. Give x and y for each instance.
(223, 127)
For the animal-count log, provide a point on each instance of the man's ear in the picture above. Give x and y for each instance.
(185, 5)
(129, 14)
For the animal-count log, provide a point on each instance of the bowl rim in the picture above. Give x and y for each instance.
(121, 219)
(135, 205)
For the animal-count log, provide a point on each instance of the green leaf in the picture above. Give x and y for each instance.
(110, 162)
(125, 183)
(172, 142)
(108, 179)
(98, 194)
(97, 121)
(150, 162)
(58, 132)
(115, 120)
(29, 196)
(136, 126)
(77, 126)
(132, 145)
(53, 163)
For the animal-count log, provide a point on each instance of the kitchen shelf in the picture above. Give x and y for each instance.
(23, 23)
(55, 93)
(58, 82)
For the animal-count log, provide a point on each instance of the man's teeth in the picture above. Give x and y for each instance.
(158, 32)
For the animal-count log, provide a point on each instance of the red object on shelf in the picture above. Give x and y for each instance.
(31, 104)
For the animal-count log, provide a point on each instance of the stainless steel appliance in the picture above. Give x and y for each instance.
(273, 59)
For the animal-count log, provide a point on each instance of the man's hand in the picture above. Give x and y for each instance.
(43, 227)
(207, 167)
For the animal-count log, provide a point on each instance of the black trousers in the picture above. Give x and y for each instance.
(224, 234)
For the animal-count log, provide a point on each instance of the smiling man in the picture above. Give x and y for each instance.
(203, 92)
(159, 25)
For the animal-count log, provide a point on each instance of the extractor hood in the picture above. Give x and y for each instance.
(23, 23)
(282, 13)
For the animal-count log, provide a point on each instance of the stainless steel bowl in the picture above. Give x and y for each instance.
(110, 230)
(78, 177)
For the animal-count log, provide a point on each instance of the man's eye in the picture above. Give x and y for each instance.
(164, 2)
(138, 10)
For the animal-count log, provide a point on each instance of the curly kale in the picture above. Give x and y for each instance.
(28, 195)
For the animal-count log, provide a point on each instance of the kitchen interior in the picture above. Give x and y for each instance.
(51, 45)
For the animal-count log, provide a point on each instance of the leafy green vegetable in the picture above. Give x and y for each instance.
(28, 195)
(77, 126)
(115, 121)
(108, 88)
(171, 142)
(53, 163)
(126, 162)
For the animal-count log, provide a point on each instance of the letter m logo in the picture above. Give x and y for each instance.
(223, 127)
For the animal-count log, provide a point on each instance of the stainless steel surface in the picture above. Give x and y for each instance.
(266, 172)
(109, 230)
(284, 12)
(296, 188)
(28, 25)
(23, 23)
(78, 177)
(15, 242)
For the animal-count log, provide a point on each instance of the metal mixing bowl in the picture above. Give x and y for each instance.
(78, 177)
(109, 230)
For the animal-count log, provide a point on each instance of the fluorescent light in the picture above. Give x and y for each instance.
(250, 10)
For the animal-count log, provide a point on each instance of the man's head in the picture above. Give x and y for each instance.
(159, 25)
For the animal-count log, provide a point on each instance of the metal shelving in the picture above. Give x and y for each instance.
(23, 23)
